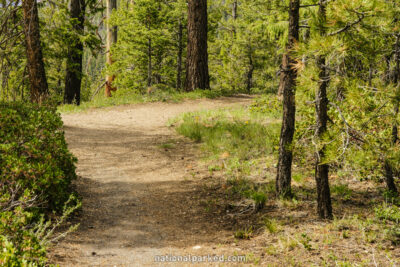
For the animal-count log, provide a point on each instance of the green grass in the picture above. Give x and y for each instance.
(237, 141)
(235, 137)
(342, 190)
(272, 225)
(123, 97)
(387, 212)
(245, 233)
(168, 145)
(267, 105)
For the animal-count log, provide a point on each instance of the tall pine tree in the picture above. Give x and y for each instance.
(197, 76)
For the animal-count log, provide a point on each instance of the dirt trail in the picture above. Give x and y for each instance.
(139, 197)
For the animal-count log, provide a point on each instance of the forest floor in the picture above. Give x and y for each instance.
(140, 199)
(146, 192)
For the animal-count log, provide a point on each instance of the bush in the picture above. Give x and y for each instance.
(19, 245)
(36, 171)
(34, 154)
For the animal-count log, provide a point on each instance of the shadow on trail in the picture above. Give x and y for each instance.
(165, 214)
(131, 195)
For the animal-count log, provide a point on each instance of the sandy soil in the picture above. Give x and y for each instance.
(140, 199)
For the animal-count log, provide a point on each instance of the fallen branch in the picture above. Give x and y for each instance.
(97, 90)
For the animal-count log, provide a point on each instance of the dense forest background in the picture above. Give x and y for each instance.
(245, 41)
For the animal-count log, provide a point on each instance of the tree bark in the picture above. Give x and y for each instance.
(234, 9)
(284, 171)
(197, 76)
(37, 75)
(249, 78)
(395, 78)
(73, 77)
(282, 76)
(112, 35)
(149, 63)
(179, 59)
(391, 186)
(321, 108)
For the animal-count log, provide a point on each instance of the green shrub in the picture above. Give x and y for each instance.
(19, 245)
(342, 190)
(388, 212)
(36, 171)
(34, 154)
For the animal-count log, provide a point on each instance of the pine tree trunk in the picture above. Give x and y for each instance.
(149, 63)
(388, 167)
(282, 76)
(234, 9)
(284, 172)
(249, 80)
(37, 75)
(73, 78)
(389, 170)
(234, 17)
(179, 59)
(197, 76)
(321, 108)
(391, 186)
(112, 34)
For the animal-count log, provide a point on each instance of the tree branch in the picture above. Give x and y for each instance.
(349, 25)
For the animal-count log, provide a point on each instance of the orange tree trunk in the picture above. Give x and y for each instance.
(112, 34)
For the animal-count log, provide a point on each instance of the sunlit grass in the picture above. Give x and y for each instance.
(238, 142)
(235, 136)
(125, 97)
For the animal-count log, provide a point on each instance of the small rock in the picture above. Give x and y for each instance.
(197, 247)
(94, 253)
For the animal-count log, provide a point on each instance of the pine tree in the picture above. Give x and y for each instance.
(321, 107)
(37, 75)
(395, 79)
(197, 76)
(284, 171)
(149, 39)
(73, 78)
